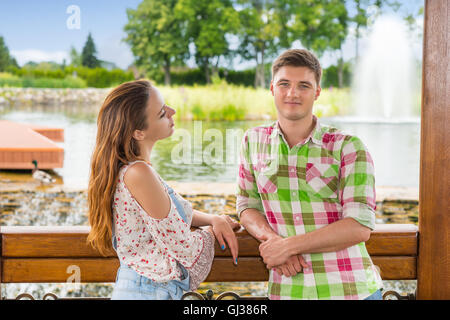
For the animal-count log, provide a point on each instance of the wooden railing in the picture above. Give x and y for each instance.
(44, 254)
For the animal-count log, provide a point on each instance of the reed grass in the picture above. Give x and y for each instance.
(230, 103)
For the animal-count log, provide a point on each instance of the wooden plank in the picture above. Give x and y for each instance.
(59, 270)
(33, 270)
(434, 200)
(71, 242)
(396, 268)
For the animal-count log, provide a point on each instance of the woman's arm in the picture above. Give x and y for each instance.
(222, 226)
(147, 190)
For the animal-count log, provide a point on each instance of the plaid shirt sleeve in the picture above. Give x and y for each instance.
(357, 182)
(247, 195)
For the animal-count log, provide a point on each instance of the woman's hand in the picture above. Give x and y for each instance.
(223, 227)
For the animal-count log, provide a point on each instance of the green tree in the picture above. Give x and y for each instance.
(75, 57)
(88, 55)
(157, 36)
(322, 26)
(262, 23)
(208, 23)
(5, 58)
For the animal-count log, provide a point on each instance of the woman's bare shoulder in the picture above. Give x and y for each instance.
(138, 173)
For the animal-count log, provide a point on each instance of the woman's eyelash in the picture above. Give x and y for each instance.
(163, 114)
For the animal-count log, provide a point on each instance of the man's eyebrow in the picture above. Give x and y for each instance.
(302, 82)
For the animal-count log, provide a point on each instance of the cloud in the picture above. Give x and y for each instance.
(24, 56)
(114, 50)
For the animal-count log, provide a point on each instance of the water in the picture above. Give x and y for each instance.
(385, 78)
(394, 146)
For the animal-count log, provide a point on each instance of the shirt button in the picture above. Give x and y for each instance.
(297, 218)
(294, 193)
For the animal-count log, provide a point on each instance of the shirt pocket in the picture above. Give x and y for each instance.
(266, 176)
(322, 179)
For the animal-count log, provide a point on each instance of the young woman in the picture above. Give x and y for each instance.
(134, 211)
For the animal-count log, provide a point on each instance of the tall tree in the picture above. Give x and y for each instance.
(5, 58)
(262, 31)
(157, 36)
(89, 54)
(322, 26)
(208, 23)
(75, 57)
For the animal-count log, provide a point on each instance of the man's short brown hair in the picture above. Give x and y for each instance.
(298, 58)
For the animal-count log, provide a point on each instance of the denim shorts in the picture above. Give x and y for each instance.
(132, 286)
(375, 296)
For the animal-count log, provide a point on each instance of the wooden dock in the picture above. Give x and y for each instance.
(20, 144)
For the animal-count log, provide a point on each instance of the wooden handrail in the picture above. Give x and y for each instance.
(43, 254)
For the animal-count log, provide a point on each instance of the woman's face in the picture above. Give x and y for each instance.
(160, 124)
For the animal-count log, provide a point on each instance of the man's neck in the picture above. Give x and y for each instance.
(295, 131)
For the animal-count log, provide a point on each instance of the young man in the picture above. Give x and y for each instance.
(307, 192)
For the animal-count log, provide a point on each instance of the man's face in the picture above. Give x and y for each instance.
(294, 90)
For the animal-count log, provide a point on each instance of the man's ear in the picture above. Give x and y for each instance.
(138, 135)
(271, 86)
(318, 91)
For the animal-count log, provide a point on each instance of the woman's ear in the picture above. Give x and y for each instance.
(138, 135)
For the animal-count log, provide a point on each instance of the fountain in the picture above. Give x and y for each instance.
(385, 78)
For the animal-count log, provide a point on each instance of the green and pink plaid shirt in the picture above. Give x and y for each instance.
(327, 177)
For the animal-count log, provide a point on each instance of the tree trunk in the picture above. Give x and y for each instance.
(259, 73)
(207, 73)
(167, 71)
(357, 43)
(340, 72)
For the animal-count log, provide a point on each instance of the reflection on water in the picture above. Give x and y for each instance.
(394, 146)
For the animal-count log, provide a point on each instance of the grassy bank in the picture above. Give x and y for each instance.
(10, 80)
(229, 102)
(219, 101)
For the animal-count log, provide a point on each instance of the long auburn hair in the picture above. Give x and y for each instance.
(122, 112)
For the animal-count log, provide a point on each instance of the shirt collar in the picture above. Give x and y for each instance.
(315, 136)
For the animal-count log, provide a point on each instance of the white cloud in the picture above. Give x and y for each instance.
(114, 50)
(24, 56)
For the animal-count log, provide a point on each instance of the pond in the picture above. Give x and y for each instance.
(394, 146)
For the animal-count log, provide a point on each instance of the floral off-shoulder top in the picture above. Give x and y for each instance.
(154, 248)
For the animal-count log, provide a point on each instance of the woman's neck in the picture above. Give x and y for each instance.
(146, 151)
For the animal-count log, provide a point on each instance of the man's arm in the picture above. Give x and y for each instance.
(249, 208)
(357, 197)
(256, 224)
(331, 238)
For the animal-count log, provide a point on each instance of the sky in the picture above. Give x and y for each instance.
(45, 30)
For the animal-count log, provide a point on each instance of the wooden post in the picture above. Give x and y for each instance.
(434, 198)
(1, 262)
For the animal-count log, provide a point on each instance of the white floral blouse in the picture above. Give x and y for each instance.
(152, 247)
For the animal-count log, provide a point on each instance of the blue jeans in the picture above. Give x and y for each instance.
(375, 296)
(132, 286)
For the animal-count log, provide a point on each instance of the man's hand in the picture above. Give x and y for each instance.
(274, 253)
(295, 264)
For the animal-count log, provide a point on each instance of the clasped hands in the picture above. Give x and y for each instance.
(274, 252)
